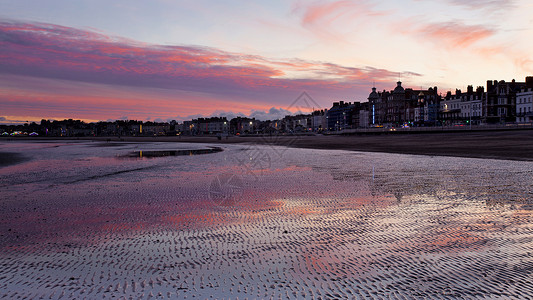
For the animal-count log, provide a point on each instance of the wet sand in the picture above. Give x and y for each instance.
(510, 145)
(8, 158)
(261, 222)
(507, 144)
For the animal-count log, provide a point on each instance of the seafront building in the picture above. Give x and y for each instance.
(497, 104)
(500, 102)
(340, 116)
(524, 105)
(462, 107)
(403, 107)
(319, 121)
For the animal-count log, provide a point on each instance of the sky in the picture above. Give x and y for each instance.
(165, 60)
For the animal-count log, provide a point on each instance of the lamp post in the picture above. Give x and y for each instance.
(344, 120)
(470, 115)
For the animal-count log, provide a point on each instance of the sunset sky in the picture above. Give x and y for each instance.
(163, 60)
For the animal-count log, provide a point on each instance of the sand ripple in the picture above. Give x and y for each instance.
(314, 224)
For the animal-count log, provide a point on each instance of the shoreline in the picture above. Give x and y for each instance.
(506, 145)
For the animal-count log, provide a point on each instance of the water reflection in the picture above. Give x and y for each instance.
(164, 153)
(347, 226)
(408, 178)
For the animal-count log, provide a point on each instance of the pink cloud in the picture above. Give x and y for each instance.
(327, 19)
(52, 51)
(325, 13)
(525, 64)
(45, 50)
(451, 35)
(169, 78)
(455, 34)
(57, 99)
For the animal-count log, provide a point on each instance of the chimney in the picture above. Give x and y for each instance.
(480, 91)
(489, 85)
(529, 81)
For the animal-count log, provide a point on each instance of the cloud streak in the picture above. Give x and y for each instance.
(454, 34)
(493, 5)
(52, 51)
(37, 50)
(325, 13)
(328, 20)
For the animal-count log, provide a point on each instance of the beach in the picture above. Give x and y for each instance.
(500, 144)
(100, 219)
(512, 145)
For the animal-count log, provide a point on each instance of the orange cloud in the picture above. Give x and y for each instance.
(455, 34)
(326, 13)
(174, 76)
(321, 16)
(446, 34)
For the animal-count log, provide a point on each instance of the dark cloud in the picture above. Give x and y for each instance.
(272, 114)
(224, 79)
(51, 51)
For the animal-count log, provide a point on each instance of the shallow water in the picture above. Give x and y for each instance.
(260, 222)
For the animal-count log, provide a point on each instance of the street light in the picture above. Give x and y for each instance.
(470, 116)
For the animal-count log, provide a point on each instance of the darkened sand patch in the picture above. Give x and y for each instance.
(163, 153)
(10, 158)
(112, 144)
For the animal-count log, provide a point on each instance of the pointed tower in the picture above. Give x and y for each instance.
(373, 99)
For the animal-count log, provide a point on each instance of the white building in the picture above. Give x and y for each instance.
(419, 114)
(462, 108)
(471, 108)
(212, 125)
(319, 121)
(450, 111)
(364, 118)
(452, 104)
(524, 106)
(218, 126)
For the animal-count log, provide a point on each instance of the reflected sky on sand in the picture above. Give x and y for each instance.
(260, 222)
(162, 153)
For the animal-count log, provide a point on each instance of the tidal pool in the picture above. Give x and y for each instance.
(261, 222)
